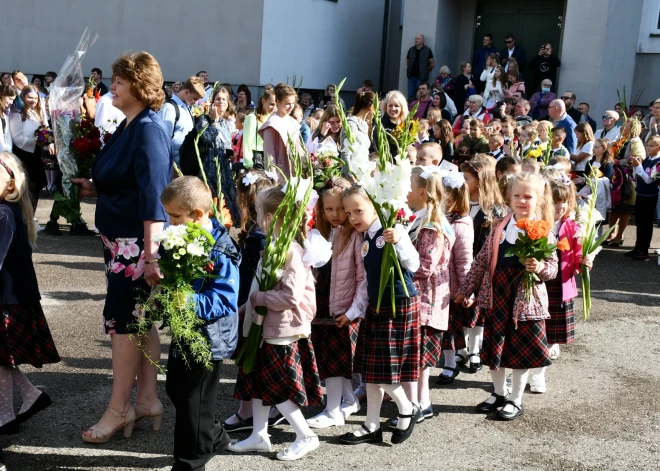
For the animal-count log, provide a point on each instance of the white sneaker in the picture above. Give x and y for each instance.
(298, 449)
(554, 351)
(325, 420)
(349, 408)
(537, 383)
(263, 447)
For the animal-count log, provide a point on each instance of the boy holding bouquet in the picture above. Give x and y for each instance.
(192, 386)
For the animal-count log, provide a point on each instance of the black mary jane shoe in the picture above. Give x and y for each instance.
(371, 437)
(42, 402)
(400, 436)
(10, 428)
(277, 420)
(475, 367)
(517, 411)
(461, 359)
(242, 424)
(444, 379)
(486, 408)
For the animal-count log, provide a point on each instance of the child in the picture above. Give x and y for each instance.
(458, 214)
(510, 139)
(391, 343)
(603, 158)
(515, 330)
(495, 143)
(252, 241)
(561, 163)
(496, 126)
(335, 327)
(285, 374)
(423, 132)
(312, 123)
(506, 166)
(529, 165)
(428, 154)
(486, 204)
(556, 146)
(24, 334)
(433, 238)
(646, 199)
(192, 388)
(464, 132)
(529, 139)
(475, 143)
(544, 128)
(411, 154)
(237, 139)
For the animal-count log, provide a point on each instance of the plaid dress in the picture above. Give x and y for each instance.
(282, 373)
(454, 338)
(25, 337)
(431, 346)
(391, 349)
(560, 328)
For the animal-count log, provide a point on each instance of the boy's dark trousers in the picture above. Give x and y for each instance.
(193, 391)
(644, 211)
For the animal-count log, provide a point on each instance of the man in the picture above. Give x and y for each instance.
(583, 108)
(610, 130)
(557, 112)
(569, 102)
(208, 88)
(544, 66)
(424, 101)
(49, 79)
(20, 81)
(521, 112)
(651, 122)
(307, 104)
(367, 86)
(481, 55)
(179, 123)
(97, 77)
(511, 50)
(419, 63)
(517, 96)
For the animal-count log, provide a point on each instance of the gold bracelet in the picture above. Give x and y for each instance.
(149, 262)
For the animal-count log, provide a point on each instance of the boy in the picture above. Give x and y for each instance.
(411, 154)
(474, 143)
(561, 161)
(495, 143)
(193, 388)
(507, 166)
(429, 153)
(557, 145)
(529, 165)
(423, 132)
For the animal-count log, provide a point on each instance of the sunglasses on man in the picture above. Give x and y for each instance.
(605, 117)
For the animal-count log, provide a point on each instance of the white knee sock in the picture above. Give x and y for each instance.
(466, 332)
(424, 388)
(450, 362)
(499, 380)
(519, 383)
(294, 415)
(333, 389)
(347, 394)
(374, 402)
(412, 391)
(29, 393)
(244, 410)
(402, 402)
(539, 371)
(476, 333)
(6, 396)
(260, 423)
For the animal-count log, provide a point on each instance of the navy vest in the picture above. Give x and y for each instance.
(644, 189)
(373, 256)
(18, 281)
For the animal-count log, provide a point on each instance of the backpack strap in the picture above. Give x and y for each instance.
(177, 114)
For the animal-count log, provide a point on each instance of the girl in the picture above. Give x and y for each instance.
(252, 241)
(495, 88)
(444, 136)
(603, 157)
(439, 103)
(458, 214)
(584, 151)
(285, 375)
(515, 83)
(335, 328)
(326, 136)
(515, 329)
(360, 125)
(279, 128)
(544, 128)
(390, 353)
(486, 204)
(24, 334)
(464, 133)
(529, 139)
(221, 113)
(253, 145)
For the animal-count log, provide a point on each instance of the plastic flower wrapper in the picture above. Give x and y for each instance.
(292, 209)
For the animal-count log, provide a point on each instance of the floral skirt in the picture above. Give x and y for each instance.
(25, 338)
(124, 269)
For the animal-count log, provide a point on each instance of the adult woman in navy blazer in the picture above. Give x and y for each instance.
(128, 177)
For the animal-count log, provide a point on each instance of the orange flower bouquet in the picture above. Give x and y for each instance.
(532, 243)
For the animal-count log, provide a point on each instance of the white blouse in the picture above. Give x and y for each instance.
(22, 132)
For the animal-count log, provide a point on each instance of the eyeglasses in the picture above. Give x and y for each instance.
(509, 41)
(607, 117)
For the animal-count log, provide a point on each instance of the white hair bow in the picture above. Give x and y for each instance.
(250, 178)
(454, 179)
(563, 179)
(428, 171)
(272, 174)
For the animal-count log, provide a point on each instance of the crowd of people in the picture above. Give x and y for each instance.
(485, 158)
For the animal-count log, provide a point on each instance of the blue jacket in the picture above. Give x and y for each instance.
(568, 125)
(217, 298)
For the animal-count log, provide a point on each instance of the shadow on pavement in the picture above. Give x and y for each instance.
(92, 266)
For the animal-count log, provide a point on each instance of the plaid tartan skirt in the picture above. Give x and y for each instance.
(472, 317)
(282, 373)
(560, 328)
(25, 338)
(454, 338)
(391, 349)
(505, 346)
(335, 349)
(430, 347)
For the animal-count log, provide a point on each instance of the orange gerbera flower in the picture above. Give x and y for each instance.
(563, 245)
(535, 229)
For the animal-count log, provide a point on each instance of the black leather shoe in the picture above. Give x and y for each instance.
(242, 424)
(517, 411)
(10, 428)
(81, 229)
(444, 379)
(371, 437)
(277, 420)
(474, 367)
(632, 253)
(53, 228)
(42, 402)
(400, 436)
(485, 408)
(461, 359)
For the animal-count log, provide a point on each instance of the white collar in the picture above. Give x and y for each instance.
(374, 228)
(512, 231)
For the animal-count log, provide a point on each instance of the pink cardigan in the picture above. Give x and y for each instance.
(461, 253)
(571, 260)
(291, 303)
(347, 274)
(275, 132)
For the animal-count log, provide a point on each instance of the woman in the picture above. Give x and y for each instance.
(329, 97)
(244, 98)
(515, 84)
(492, 64)
(176, 87)
(128, 178)
(279, 128)
(584, 150)
(360, 125)
(464, 87)
(445, 137)
(475, 110)
(6, 79)
(540, 101)
(253, 145)
(394, 111)
(7, 96)
(23, 124)
(326, 136)
(446, 80)
(439, 102)
(495, 88)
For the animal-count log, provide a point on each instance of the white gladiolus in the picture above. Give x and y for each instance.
(302, 187)
(318, 250)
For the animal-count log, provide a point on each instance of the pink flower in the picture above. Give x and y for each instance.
(128, 248)
(138, 312)
(116, 267)
(134, 270)
(112, 246)
(110, 326)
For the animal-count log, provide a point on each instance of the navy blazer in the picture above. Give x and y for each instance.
(518, 54)
(569, 126)
(130, 173)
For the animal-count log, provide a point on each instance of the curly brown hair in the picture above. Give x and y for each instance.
(143, 72)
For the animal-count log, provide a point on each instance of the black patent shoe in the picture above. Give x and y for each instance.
(242, 424)
(371, 437)
(444, 379)
(517, 411)
(475, 367)
(10, 428)
(81, 229)
(43, 401)
(486, 408)
(277, 420)
(53, 228)
(461, 359)
(400, 436)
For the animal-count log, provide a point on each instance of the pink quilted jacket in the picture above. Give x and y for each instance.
(571, 260)
(461, 253)
(347, 274)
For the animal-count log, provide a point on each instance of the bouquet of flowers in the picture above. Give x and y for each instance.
(186, 259)
(533, 152)
(325, 165)
(405, 134)
(44, 136)
(86, 141)
(90, 90)
(548, 150)
(404, 218)
(297, 192)
(532, 243)
(655, 172)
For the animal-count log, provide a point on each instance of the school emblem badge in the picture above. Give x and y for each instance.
(380, 242)
(365, 248)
